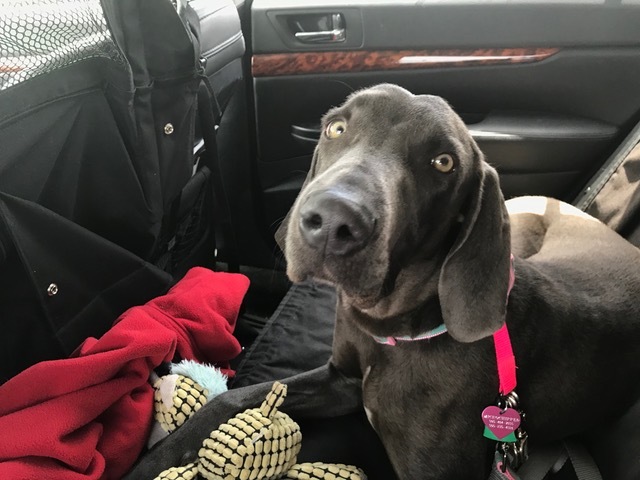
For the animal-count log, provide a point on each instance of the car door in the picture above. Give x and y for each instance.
(548, 88)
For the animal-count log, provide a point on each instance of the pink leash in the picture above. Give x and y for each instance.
(505, 358)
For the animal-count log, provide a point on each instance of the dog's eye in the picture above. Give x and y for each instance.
(443, 163)
(336, 128)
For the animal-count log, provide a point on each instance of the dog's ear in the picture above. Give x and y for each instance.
(281, 232)
(474, 279)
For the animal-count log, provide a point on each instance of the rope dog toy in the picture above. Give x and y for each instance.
(257, 444)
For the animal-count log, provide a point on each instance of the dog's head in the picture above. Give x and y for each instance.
(399, 205)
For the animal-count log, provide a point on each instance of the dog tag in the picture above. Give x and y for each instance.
(501, 425)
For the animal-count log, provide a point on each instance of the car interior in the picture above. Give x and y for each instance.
(141, 139)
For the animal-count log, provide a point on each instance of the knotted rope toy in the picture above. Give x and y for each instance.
(181, 393)
(187, 398)
(258, 444)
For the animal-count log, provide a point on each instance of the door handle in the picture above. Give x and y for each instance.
(337, 33)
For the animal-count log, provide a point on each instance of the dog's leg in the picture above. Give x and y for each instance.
(317, 393)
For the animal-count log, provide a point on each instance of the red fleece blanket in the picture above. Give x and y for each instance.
(89, 416)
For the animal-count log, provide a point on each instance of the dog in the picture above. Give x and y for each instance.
(401, 212)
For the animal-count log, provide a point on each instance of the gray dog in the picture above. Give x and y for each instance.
(401, 213)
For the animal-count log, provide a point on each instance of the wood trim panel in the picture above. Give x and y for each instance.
(276, 64)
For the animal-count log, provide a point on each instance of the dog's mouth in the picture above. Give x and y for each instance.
(359, 276)
(359, 298)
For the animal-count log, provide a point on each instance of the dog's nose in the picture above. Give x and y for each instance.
(336, 223)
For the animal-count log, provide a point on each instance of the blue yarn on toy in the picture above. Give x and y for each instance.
(207, 376)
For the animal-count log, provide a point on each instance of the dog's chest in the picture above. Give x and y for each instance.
(395, 391)
(381, 394)
(367, 410)
(415, 383)
(422, 402)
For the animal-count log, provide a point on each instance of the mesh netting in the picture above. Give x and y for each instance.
(38, 36)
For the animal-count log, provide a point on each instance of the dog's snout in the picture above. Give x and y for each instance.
(334, 223)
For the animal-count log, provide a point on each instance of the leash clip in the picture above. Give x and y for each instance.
(514, 453)
(513, 448)
(505, 457)
(510, 400)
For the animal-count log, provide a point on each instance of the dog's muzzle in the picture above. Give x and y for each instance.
(333, 223)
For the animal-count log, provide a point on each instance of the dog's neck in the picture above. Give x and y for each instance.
(412, 309)
(411, 323)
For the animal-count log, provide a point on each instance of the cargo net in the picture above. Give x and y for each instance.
(38, 36)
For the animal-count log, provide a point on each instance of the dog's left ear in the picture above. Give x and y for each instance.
(474, 279)
(281, 232)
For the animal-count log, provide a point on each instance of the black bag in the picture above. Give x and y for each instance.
(102, 201)
(61, 283)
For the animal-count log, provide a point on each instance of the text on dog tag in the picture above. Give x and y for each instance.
(500, 424)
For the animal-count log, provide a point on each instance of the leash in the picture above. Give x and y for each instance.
(503, 422)
(512, 451)
(505, 359)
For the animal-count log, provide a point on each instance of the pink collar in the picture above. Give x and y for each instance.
(502, 342)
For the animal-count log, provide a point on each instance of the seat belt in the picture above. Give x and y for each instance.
(552, 457)
(582, 461)
(210, 115)
(600, 179)
(543, 460)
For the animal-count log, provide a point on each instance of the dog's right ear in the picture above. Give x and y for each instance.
(474, 278)
(281, 232)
